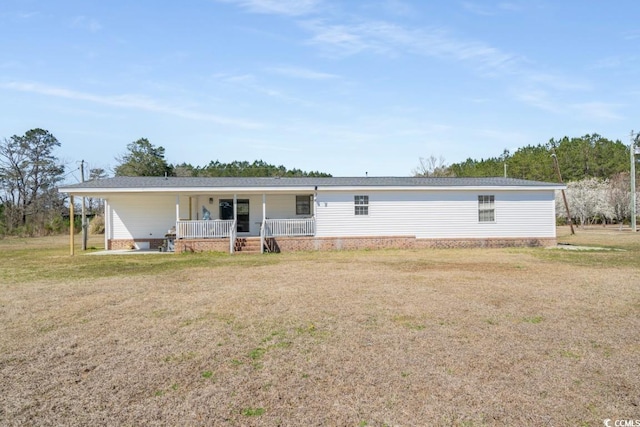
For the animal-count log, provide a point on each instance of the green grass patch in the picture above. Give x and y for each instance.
(48, 259)
(408, 322)
(570, 354)
(252, 412)
(534, 319)
(257, 353)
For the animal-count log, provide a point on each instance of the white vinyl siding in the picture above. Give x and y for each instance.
(437, 214)
(144, 216)
(451, 213)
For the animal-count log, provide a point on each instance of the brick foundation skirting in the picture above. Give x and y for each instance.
(119, 244)
(292, 244)
(202, 245)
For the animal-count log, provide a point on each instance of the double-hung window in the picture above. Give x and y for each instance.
(486, 208)
(361, 204)
(303, 205)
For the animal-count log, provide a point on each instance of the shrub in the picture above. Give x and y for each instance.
(96, 226)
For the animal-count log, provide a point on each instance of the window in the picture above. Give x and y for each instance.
(486, 209)
(303, 205)
(361, 205)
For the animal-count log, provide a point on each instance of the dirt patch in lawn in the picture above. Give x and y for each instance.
(434, 337)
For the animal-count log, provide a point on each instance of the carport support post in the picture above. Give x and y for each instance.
(263, 225)
(632, 176)
(71, 220)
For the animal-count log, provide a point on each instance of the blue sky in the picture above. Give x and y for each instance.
(343, 87)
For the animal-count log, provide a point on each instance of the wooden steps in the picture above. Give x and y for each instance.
(247, 245)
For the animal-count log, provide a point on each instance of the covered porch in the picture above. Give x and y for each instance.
(240, 217)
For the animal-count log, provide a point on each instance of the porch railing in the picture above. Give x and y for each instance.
(205, 229)
(289, 227)
(211, 229)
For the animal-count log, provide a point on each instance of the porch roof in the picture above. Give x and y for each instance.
(276, 184)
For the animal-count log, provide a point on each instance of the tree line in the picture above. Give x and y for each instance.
(589, 156)
(595, 169)
(144, 159)
(30, 173)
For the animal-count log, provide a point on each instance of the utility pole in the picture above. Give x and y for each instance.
(564, 196)
(632, 153)
(84, 211)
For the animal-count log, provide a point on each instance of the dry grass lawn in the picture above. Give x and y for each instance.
(476, 337)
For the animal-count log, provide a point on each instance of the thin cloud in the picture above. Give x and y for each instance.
(277, 7)
(251, 83)
(302, 73)
(344, 40)
(85, 23)
(540, 99)
(611, 62)
(598, 110)
(391, 7)
(591, 110)
(485, 10)
(558, 82)
(127, 101)
(27, 15)
(477, 9)
(511, 6)
(390, 39)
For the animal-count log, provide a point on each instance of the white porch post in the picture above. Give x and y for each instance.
(315, 201)
(315, 205)
(235, 209)
(263, 226)
(177, 214)
(71, 224)
(107, 225)
(233, 233)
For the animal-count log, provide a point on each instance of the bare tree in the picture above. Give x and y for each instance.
(95, 206)
(432, 167)
(29, 173)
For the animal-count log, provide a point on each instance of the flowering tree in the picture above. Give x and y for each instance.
(594, 199)
(619, 196)
(587, 200)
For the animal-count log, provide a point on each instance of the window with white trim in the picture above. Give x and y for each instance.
(361, 205)
(303, 205)
(486, 208)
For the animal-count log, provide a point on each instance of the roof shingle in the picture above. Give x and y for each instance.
(128, 183)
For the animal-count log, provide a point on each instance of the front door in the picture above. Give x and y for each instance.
(226, 212)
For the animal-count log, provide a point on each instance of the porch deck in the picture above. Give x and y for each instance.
(198, 230)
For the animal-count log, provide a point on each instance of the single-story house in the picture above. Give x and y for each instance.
(285, 214)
